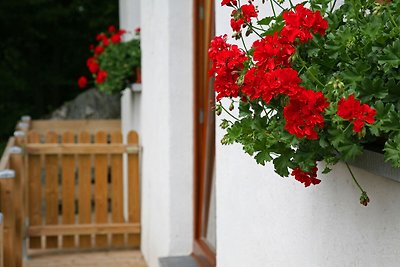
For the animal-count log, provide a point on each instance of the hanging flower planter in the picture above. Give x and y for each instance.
(115, 65)
(317, 84)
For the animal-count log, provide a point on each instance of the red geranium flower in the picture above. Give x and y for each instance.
(82, 82)
(101, 76)
(242, 16)
(111, 29)
(303, 114)
(105, 41)
(352, 110)
(301, 23)
(98, 50)
(100, 36)
(229, 3)
(92, 65)
(227, 63)
(307, 178)
(115, 38)
(137, 30)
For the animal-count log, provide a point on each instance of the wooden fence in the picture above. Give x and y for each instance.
(12, 193)
(70, 188)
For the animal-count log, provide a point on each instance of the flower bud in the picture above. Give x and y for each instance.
(231, 107)
(364, 199)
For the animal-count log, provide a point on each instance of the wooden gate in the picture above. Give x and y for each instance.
(76, 190)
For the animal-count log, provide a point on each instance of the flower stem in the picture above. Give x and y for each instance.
(354, 178)
(332, 7)
(312, 75)
(244, 44)
(273, 9)
(278, 5)
(229, 112)
(364, 199)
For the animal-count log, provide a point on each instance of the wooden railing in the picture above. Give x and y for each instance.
(1, 240)
(12, 192)
(61, 186)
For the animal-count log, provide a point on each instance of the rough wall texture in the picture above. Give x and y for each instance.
(90, 104)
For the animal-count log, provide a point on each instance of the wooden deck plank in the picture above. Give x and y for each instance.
(123, 258)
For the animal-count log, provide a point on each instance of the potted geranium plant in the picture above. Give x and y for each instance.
(319, 82)
(114, 64)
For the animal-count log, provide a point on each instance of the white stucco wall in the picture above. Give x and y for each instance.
(166, 129)
(265, 220)
(129, 20)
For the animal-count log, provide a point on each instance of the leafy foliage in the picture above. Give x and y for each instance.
(357, 58)
(119, 61)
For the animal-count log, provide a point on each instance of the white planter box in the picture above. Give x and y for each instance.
(136, 87)
(374, 163)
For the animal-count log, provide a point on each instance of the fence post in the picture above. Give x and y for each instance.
(17, 164)
(1, 241)
(6, 198)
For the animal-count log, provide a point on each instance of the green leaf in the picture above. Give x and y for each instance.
(266, 21)
(263, 157)
(282, 163)
(350, 151)
(337, 137)
(392, 151)
(244, 109)
(391, 56)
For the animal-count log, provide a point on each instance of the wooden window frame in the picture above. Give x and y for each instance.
(203, 254)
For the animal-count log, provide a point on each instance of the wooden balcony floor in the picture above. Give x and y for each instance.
(124, 258)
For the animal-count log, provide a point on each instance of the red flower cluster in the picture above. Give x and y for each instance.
(272, 51)
(301, 23)
(303, 114)
(92, 63)
(104, 40)
(82, 82)
(227, 64)
(258, 83)
(242, 15)
(351, 109)
(307, 178)
(270, 74)
(229, 3)
(101, 76)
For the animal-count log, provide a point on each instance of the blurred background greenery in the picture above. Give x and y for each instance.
(43, 51)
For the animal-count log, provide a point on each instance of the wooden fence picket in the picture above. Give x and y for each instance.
(51, 197)
(117, 196)
(85, 189)
(68, 189)
(133, 189)
(34, 190)
(101, 189)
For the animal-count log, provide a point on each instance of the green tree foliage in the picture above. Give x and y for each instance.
(43, 45)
